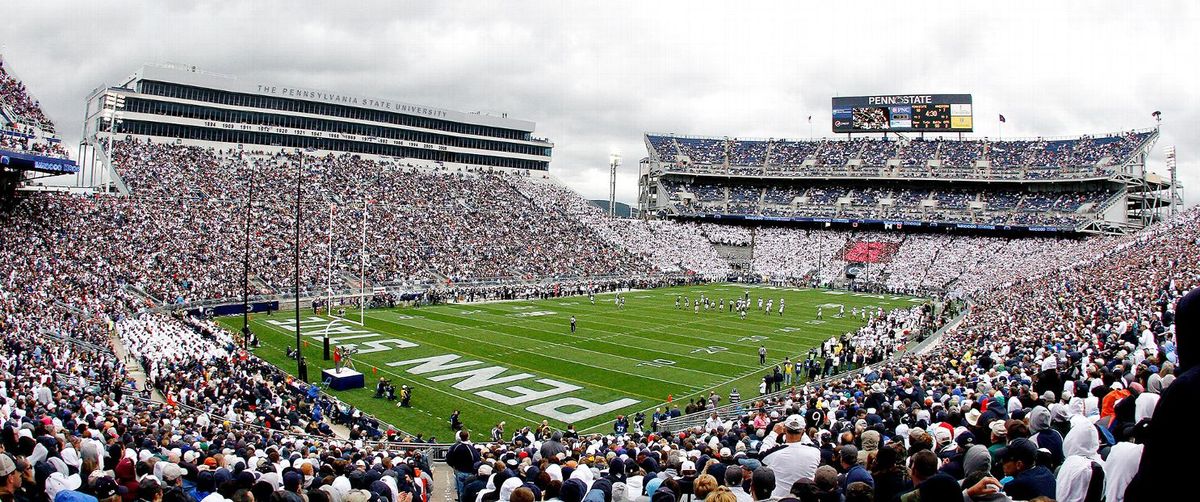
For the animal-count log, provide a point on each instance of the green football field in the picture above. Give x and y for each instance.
(518, 362)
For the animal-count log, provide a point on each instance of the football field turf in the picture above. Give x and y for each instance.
(518, 362)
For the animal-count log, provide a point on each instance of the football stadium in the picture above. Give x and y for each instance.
(248, 280)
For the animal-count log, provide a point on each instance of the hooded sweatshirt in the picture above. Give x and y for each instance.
(977, 458)
(1119, 468)
(1160, 471)
(1081, 447)
(1146, 401)
(1043, 435)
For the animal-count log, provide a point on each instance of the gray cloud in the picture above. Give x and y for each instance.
(596, 75)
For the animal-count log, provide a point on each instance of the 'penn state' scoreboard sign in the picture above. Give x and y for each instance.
(903, 113)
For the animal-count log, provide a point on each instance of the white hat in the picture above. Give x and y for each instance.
(57, 482)
(794, 423)
(7, 466)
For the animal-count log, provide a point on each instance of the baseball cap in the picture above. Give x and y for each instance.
(57, 482)
(105, 487)
(965, 440)
(171, 472)
(1019, 449)
(7, 466)
(794, 423)
(998, 429)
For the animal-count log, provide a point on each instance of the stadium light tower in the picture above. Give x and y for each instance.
(614, 160)
(113, 104)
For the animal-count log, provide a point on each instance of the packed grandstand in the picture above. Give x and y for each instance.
(1044, 185)
(1050, 381)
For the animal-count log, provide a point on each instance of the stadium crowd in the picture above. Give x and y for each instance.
(15, 98)
(76, 425)
(949, 206)
(1065, 380)
(1005, 159)
(1046, 391)
(23, 125)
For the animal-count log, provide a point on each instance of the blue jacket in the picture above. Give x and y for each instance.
(855, 474)
(1035, 482)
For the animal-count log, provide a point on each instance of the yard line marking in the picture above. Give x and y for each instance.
(494, 359)
(575, 339)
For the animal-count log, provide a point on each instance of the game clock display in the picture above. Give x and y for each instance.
(931, 116)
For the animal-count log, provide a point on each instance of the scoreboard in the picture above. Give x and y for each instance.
(903, 113)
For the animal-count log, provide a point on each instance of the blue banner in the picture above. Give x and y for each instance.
(25, 161)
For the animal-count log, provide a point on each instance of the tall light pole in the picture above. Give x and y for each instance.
(1176, 198)
(246, 257)
(614, 160)
(301, 369)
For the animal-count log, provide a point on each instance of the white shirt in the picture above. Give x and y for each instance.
(790, 463)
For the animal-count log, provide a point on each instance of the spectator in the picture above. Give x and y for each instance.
(785, 451)
(1029, 480)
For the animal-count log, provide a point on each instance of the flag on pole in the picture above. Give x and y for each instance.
(1002, 118)
(810, 119)
(1156, 114)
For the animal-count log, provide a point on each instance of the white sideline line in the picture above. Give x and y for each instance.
(492, 358)
(614, 334)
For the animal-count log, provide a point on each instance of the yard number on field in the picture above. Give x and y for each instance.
(657, 363)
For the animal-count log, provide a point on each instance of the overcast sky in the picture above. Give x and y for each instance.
(595, 75)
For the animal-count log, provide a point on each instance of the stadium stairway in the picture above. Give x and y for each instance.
(443, 484)
(738, 257)
(131, 366)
